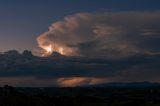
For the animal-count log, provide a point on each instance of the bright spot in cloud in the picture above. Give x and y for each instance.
(48, 50)
(79, 81)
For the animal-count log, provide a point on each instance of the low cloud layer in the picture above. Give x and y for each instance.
(110, 34)
(27, 70)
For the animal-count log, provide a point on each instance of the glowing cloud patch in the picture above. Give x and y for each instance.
(79, 81)
(109, 35)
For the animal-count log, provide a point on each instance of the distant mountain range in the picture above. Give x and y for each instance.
(128, 84)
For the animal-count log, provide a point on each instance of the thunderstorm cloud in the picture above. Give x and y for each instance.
(96, 48)
(110, 34)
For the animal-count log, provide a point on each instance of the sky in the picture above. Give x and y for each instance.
(22, 21)
(79, 42)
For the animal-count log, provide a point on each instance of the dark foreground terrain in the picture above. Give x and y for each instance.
(88, 96)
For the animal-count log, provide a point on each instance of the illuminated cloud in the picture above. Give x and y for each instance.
(80, 81)
(110, 34)
(129, 41)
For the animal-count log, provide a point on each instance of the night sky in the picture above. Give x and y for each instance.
(79, 42)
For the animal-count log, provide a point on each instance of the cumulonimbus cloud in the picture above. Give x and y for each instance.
(110, 34)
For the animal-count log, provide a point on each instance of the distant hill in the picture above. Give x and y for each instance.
(128, 84)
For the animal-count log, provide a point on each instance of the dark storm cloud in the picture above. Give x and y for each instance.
(110, 34)
(62, 70)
